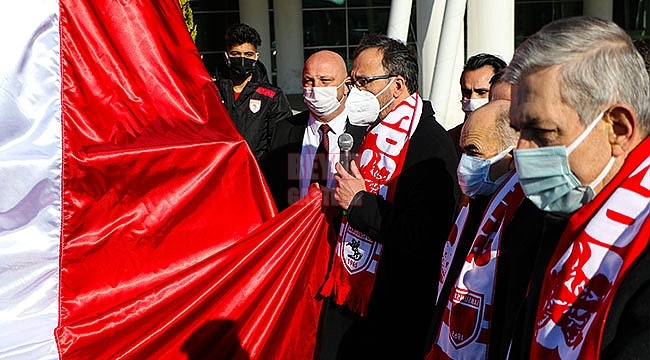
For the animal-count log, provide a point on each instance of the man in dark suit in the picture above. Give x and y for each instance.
(400, 202)
(293, 163)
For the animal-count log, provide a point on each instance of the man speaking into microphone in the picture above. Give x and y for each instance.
(307, 145)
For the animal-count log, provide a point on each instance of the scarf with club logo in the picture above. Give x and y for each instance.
(381, 157)
(600, 243)
(464, 331)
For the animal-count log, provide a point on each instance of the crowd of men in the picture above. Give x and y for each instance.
(522, 234)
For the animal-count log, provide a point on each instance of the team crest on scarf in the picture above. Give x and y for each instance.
(466, 317)
(358, 252)
(255, 105)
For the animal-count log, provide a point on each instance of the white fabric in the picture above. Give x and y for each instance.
(30, 174)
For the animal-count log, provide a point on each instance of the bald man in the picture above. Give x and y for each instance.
(496, 224)
(293, 163)
(488, 136)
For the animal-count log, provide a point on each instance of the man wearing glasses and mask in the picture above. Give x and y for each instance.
(254, 104)
(399, 200)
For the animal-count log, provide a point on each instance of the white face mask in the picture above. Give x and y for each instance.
(322, 100)
(363, 106)
(474, 174)
(470, 105)
(547, 179)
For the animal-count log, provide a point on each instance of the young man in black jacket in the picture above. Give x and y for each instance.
(254, 104)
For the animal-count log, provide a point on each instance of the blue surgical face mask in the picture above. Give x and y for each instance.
(474, 174)
(547, 179)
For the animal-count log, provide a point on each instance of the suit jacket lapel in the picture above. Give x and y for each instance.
(297, 132)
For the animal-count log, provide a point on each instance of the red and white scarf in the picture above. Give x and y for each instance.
(464, 331)
(451, 244)
(381, 157)
(602, 240)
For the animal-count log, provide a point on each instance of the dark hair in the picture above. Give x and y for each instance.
(241, 33)
(643, 46)
(496, 77)
(479, 60)
(398, 58)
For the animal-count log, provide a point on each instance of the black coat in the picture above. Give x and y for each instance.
(285, 150)
(259, 107)
(413, 230)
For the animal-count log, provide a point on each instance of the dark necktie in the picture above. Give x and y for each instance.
(321, 159)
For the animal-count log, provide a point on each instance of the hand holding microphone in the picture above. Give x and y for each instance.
(345, 142)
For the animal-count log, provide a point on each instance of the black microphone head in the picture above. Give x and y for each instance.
(345, 142)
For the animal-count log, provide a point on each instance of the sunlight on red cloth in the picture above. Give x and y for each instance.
(169, 245)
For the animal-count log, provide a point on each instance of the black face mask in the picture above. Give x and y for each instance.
(241, 66)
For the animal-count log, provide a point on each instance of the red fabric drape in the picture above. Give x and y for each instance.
(169, 245)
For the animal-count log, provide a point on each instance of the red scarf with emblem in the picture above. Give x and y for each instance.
(601, 242)
(464, 331)
(381, 157)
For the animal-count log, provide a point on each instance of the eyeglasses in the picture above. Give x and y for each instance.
(360, 82)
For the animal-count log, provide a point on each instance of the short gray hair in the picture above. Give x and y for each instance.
(599, 66)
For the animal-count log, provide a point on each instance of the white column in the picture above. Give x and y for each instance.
(445, 89)
(399, 18)
(251, 13)
(429, 18)
(429, 24)
(289, 44)
(600, 8)
(491, 27)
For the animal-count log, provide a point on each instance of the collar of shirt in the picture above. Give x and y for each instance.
(310, 142)
(337, 125)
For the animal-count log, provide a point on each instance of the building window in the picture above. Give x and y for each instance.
(531, 15)
(632, 15)
(338, 25)
(212, 18)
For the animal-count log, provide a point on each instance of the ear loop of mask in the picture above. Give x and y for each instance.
(337, 94)
(579, 140)
(382, 91)
(501, 154)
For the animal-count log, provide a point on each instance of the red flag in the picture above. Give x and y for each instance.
(144, 229)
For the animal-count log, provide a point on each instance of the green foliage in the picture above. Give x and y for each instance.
(189, 18)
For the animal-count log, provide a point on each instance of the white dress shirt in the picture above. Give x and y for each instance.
(310, 142)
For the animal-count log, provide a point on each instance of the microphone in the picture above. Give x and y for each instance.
(345, 141)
